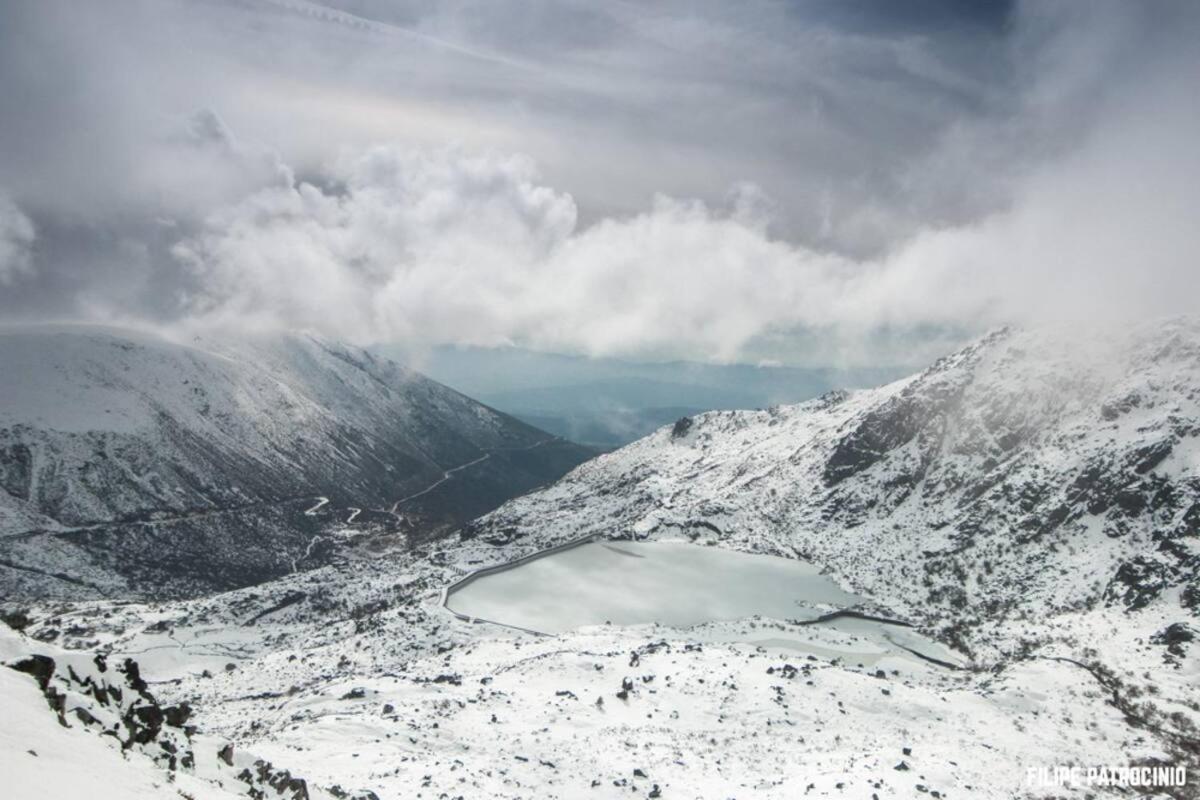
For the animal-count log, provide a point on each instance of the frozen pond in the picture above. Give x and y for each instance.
(630, 583)
(681, 585)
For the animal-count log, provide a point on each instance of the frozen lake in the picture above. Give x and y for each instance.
(680, 585)
(630, 583)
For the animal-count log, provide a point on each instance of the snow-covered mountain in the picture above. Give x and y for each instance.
(1031, 501)
(1033, 471)
(134, 465)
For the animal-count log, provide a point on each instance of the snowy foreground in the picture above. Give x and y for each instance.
(1036, 514)
(407, 702)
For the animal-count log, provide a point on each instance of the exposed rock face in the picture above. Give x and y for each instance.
(112, 702)
(132, 465)
(918, 413)
(1177, 637)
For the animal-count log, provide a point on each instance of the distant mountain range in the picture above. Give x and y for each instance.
(131, 465)
(606, 403)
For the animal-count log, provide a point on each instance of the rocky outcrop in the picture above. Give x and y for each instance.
(113, 700)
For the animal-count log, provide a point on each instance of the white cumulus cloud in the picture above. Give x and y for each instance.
(16, 242)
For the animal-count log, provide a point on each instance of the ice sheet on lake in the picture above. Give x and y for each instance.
(681, 585)
(631, 583)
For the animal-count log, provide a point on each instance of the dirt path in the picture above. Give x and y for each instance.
(168, 520)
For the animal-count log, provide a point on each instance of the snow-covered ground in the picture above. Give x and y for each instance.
(370, 686)
(42, 758)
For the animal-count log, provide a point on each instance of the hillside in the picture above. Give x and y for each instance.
(134, 465)
(1031, 472)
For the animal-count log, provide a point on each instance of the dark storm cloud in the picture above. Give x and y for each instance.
(707, 180)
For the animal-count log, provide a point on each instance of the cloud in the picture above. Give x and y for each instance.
(429, 248)
(16, 242)
(432, 247)
(420, 246)
(615, 103)
(763, 182)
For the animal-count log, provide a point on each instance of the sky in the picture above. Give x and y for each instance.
(834, 182)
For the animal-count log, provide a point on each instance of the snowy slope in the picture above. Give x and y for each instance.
(45, 759)
(132, 463)
(78, 726)
(1031, 472)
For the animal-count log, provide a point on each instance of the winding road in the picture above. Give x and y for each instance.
(320, 502)
(448, 474)
(394, 511)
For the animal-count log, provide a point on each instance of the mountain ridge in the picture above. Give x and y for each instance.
(1026, 432)
(104, 430)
